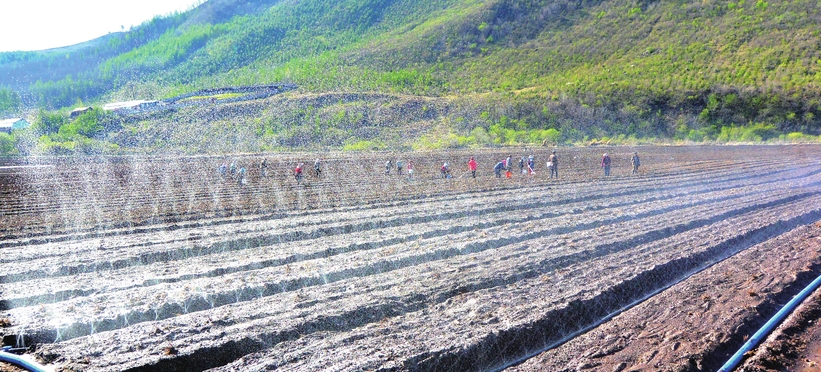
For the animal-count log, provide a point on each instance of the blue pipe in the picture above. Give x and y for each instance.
(770, 325)
(20, 361)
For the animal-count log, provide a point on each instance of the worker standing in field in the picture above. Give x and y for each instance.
(223, 168)
(531, 165)
(241, 176)
(553, 164)
(507, 163)
(263, 167)
(317, 168)
(399, 167)
(635, 162)
(410, 169)
(388, 166)
(298, 173)
(522, 165)
(498, 168)
(472, 165)
(605, 163)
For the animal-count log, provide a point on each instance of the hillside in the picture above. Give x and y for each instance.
(709, 70)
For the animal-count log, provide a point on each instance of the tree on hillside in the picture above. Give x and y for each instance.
(9, 100)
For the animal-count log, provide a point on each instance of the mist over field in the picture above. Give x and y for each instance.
(225, 262)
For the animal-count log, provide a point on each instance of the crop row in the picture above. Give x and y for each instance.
(103, 195)
(584, 273)
(442, 279)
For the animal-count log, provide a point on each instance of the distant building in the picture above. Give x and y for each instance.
(79, 111)
(9, 125)
(129, 106)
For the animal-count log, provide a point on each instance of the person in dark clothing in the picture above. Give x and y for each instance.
(531, 165)
(635, 162)
(500, 166)
(263, 167)
(317, 168)
(605, 163)
(553, 164)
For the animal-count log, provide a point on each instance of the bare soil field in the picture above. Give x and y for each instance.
(162, 264)
(795, 345)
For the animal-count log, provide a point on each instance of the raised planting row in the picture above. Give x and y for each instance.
(453, 276)
(696, 325)
(237, 255)
(104, 193)
(435, 218)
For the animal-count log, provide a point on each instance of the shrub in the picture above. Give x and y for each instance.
(87, 125)
(7, 144)
(364, 145)
(798, 137)
(749, 133)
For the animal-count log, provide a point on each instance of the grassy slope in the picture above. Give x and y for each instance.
(738, 61)
(598, 68)
(668, 56)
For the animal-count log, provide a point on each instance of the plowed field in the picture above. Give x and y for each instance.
(161, 264)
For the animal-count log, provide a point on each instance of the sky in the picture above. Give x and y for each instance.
(44, 24)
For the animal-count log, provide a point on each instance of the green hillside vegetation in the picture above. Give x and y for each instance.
(9, 100)
(497, 72)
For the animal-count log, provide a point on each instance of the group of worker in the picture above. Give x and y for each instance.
(238, 173)
(399, 167)
(298, 176)
(527, 166)
(234, 172)
(634, 161)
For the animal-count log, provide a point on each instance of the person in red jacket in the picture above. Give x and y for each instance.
(298, 173)
(445, 169)
(472, 165)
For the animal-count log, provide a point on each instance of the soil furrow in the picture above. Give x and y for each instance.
(114, 264)
(370, 244)
(525, 273)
